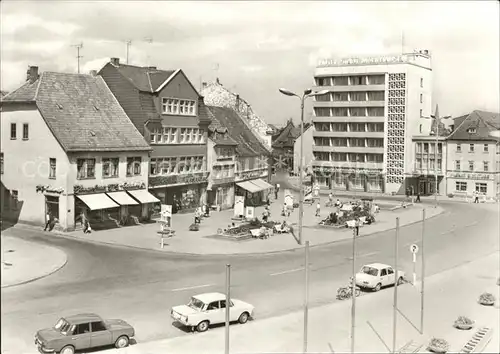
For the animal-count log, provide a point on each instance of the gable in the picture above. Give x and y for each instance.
(178, 86)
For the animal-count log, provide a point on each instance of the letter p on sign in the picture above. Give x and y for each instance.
(414, 250)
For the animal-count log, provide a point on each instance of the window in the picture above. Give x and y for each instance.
(461, 186)
(357, 127)
(421, 82)
(322, 127)
(15, 199)
(26, 131)
(419, 163)
(440, 164)
(420, 128)
(340, 96)
(485, 166)
(375, 111)
(339, 112)
(375, 127)
(375, 142)
(357, 80)
(321, 156)
(471, 130)
(374, 157)
(339, 127)
(383, 272)
(323, 81)
(485, 148)
(1, 162)
(341, 81)
(98, 326)
(358, 96)
(357, 112)
(323, 98)
(376, 79)
(339, 156)
(390, 271)
(201, 136)
(153, 167)
(183, 135)
(213, 306)
(426, 148)
(52, 168)
(322, 141)
(178, 107)
(459, 148)
(457, 165)
(357, 143)
(110, 167)
(133, 166)
(339, 142)
(419, 148)
(85, 168)
(13, 131)
(376, 96)
(440, 148)
(357, 157)
(471, 147)
(421, 98)
(322, 111)
(481, 187)
(82, 328)
(471, 165)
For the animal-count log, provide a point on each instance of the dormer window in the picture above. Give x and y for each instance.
(471, 130)
(176, 106)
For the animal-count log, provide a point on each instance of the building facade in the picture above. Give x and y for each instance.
(474, 156)
(307, 153)
(70, 150)
(364, 125)
(172, 116)
(429, 161)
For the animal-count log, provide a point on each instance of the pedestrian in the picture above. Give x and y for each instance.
(48, 220)
(330, 198)
(318, 208)
(476, 197)
(197, 216)
(407, 193)
(268, 201)
(418, 197)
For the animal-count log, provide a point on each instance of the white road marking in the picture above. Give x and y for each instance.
(287, 272)
(193, 287)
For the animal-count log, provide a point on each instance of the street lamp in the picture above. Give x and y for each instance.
(307, 93)
(436, 117)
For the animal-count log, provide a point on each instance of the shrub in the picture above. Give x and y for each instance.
(194, 227)
(450, 195)
(255, 222)
(438, 344)
(464, 320)
(486, 298)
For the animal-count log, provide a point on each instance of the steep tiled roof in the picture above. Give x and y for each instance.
(83, 114)
(483, 123)
(144, 78)
(24, 93)
(248, 143)
(217, 95)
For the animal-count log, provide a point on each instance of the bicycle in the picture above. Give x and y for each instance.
(345, 292)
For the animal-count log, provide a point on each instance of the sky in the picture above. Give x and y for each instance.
(256, 47)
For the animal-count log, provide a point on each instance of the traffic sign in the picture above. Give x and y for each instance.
(414, 249)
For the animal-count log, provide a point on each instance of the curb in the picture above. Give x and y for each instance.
(214, 255)
(52, 271)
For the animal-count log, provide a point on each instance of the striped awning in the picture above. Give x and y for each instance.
(249, 186)
(98, 201)
(122, 198)
(144, 196)
(261, 183)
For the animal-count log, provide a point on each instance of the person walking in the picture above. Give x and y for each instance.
(330, 198)
(318, 208)
(418, 198)
(476, 197)
(48, 220)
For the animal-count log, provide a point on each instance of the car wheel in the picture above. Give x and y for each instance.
(67, 350)
(122, 342)
(378, 287)
(243, 318)
(202, 326)
(400, 281)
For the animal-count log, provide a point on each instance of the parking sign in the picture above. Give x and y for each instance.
(414, 249)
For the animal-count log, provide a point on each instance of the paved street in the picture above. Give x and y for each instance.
(140, 286)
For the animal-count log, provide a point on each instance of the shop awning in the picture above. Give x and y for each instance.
(261, 183)
(98, 201)
(249, 186)
(122, 198)
(144, 196)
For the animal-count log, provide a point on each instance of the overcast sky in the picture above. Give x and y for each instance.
(257, 47)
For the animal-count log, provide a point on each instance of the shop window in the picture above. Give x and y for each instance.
(52, 205)
(461, 186)
(481, 187)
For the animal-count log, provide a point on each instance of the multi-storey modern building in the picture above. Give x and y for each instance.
(364, 125)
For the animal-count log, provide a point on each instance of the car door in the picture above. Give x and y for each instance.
(100, 335)
(383, 277)
(233, 315)
(81, 336)
(391, 277)
(214, 312)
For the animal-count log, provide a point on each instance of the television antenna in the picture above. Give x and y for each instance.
(78, 56)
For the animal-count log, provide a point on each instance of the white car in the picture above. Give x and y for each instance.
(377, 275)
(210, 308)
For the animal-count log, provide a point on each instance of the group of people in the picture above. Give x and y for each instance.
(202, 211)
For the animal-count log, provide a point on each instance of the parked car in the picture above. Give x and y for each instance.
(83, 331)
(377, 275)
(210, 308)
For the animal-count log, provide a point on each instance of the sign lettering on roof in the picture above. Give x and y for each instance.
(390, 59)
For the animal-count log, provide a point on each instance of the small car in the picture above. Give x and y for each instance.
(83, 331)
(377, 275)
(207, 309)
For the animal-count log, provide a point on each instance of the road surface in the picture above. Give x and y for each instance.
(141, 286)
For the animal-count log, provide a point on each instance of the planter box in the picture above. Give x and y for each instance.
(435, 349)
(464, 326)
(487, 303)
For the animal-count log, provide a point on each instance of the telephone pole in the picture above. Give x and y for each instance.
(128, 43)
(78, 56)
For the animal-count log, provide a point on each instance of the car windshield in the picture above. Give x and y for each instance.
(196, 304)
(62, 326)
(369, 270)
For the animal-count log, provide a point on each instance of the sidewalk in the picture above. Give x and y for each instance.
(329, 326)
(206, 240)
(24, 262)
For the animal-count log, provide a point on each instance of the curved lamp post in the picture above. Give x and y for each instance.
(307, 93)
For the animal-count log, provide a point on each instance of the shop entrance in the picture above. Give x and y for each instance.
(52, 206)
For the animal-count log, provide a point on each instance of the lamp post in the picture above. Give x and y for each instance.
(437, 119)
(307, 93)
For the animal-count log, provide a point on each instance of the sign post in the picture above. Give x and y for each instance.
(414, 251)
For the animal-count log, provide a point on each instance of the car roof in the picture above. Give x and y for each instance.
(83, 318)
(377, 265)
(210, 297)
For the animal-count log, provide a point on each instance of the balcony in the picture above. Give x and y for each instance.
(348, 149)
(345, 119)
(339, 104)
(333, 134)
(350, 88)
(348, 164)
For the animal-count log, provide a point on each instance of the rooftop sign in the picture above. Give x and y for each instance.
(388, 59)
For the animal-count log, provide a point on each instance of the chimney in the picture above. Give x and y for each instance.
(115, 61)
(32, 74)
(204, 84)
(93, 72)
(237, 103)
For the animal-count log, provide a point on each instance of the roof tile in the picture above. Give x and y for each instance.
(25, 93)
(483, 122)
(144, 78)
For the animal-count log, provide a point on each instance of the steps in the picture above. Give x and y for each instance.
(410, 347)
(478, 341)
